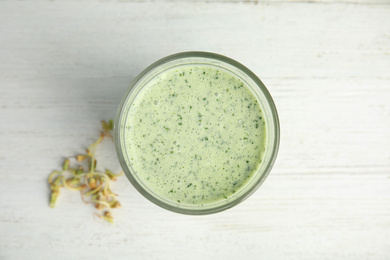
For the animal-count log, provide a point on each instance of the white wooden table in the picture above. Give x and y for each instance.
(64, 66)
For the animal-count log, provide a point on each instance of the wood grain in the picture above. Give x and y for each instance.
(64, 66)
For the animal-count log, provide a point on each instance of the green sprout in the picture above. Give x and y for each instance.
(92, 184)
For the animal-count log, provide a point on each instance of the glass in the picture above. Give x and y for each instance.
(221, 62)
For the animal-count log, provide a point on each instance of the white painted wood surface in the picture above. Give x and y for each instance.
(65, 65)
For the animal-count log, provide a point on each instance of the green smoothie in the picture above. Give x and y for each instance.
(195, 135)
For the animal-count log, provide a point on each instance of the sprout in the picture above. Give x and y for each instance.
(93, 184)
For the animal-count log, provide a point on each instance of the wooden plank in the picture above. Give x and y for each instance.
(327, 125)
(104, 40)
(295, 217)
(363, 2)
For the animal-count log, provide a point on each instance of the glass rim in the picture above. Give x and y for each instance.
(223, 59)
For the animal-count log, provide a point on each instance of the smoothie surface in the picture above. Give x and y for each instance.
(195, 135)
